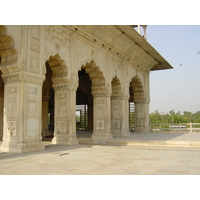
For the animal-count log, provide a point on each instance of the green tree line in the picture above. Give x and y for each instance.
(174, 117)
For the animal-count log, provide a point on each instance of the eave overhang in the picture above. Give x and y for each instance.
(137, 38)
(125, 40)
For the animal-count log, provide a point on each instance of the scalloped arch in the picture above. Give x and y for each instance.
(137, 89)
(116, 85)
(59, 68)
(8, 55)
(96, 75)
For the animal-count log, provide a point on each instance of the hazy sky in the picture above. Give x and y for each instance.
(177, 88)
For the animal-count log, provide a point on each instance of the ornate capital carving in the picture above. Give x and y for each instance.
(65, 86)
(141, 101)
(100, 93)
(22, 76)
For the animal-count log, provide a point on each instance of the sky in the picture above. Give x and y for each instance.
(176, 89)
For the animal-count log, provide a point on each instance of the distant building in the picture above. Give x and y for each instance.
(48, 73)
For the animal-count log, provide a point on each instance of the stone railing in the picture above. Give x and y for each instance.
(180, 127)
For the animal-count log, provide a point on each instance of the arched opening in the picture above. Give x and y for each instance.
(136, 95)
(56, 73)
(84, 103)
(131, 110)
(91, 83)
(47, 105)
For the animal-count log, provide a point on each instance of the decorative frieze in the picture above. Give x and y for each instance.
(65, 86)
(99, 93)
(25, 77)
(57, 36)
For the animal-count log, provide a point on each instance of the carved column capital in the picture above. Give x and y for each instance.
(23, 77)
(142, 101)
(65, 86)
(101, 93)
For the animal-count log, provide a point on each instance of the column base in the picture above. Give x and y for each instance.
(119, 133)
(22, 147)
(100, 138)
(64, 140)
(141, 130)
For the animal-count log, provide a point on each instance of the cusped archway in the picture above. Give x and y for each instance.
(90, 82)
(56, 73)
(136, 92)
(136, 89)
(8, 55)
(96, 75)
(59, 69)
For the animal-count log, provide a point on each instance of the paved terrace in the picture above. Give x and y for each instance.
(137, 154)
(149, 139)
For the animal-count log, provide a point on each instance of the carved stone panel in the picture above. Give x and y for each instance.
(57, 35)
(100, 124)
(62, 109)
(116, 123)
(11, 125)
(11, 105)
(34, 62)
(32, 101)
(62, 126)
(116, 66)
(32, 127)
(11, 101)
(100, 111)
(139, 122)
(32, 106)
(115, 109)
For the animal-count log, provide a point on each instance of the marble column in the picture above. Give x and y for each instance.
(142, 116)
(22, 113)
(102, 116)
(65, 114)
(119, 115)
